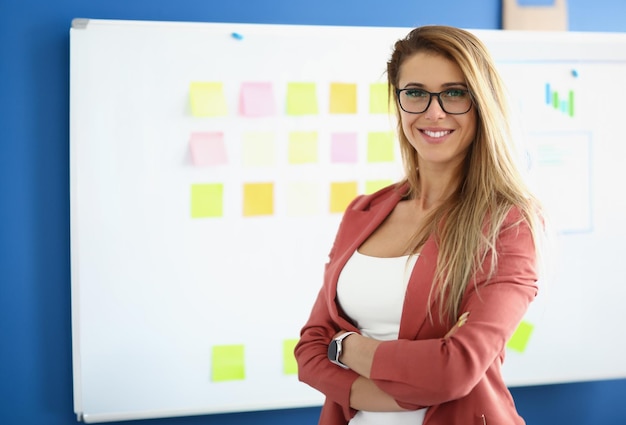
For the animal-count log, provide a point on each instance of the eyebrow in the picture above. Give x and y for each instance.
(444, 85)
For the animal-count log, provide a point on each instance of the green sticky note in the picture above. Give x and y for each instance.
(520, 338)
(372, 186)
(342, 98)
(380, 146)
(302, 147)
(341, 193)
(227, 363)
(258, 199)
(379, 99)
(207, 200)
(207, 99)
(301, 99)
(290, 366)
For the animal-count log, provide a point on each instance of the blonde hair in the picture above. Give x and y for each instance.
(467, 224)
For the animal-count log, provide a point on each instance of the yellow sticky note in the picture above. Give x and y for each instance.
(302, 147)
(290, 366)
(258, 199)
(207, 99)
(341, 194)
(258, 149)
(301, 99)
(379, 98)
(372, 186)
(228, 363)
(520, 338)
(380, 146)
(303, 199)
(207, 200)
(342, 98)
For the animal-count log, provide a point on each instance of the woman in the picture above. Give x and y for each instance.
(428, 278)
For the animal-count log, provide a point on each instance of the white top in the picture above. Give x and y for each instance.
(371, 290)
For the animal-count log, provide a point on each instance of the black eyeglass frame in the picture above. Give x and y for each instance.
(430, 99)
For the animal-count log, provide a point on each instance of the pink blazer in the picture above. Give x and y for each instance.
(458, 377)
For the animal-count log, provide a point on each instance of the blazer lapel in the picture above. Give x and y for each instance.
(416, 306)
(357, 226)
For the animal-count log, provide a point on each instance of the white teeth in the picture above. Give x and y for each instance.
(436, 134)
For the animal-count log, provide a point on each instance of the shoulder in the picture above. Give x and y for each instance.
(528, 218)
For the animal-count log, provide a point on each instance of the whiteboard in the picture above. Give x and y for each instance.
(209, 165)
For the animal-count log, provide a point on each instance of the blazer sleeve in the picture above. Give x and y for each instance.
(314, 368)
(433, 371)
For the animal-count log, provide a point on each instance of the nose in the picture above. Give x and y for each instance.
(434, 110)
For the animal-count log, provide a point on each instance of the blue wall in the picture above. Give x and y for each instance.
(35, 320)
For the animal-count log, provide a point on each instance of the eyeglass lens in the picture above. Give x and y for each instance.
(452, 101)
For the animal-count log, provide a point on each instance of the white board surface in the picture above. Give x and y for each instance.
(199, 233)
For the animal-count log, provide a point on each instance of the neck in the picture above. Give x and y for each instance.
(435, 188)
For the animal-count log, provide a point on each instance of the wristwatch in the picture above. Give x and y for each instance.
(334, 349)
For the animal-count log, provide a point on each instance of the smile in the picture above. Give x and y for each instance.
(436, 134)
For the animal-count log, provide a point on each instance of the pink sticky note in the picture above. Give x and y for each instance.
(256, 100)
(207, 148)
(343, 147)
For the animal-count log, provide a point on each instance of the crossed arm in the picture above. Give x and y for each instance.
(358, 355)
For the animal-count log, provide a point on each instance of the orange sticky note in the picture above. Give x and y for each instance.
(341, 194)
(256, 100)
(302, 147)
(342, 98)
(379, 99)
(380, 146)
(207, 148)
(207, 99)
(258, 199)
(301, 99)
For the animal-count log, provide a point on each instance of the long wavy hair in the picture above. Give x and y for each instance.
(467, 224)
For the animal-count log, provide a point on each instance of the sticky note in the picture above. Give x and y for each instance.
(342, 98)
(207, 148)
(379, 99)
(258, 149)
(258, 199)
(303, 199)
(256, 100)
(341, 194)
(343, 148)
(302, 147)
(207, 99)
(301, 99)
(380, 146)
(372, 186)
(227, 363)
(290, 366)
(520, 338)
(207, 200)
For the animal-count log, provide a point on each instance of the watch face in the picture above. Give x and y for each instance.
(332, 350)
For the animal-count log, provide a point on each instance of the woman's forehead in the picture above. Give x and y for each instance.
(426, 68)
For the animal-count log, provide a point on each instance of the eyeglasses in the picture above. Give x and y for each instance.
(417, 101)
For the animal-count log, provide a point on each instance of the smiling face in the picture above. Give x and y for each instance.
(441, 140)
